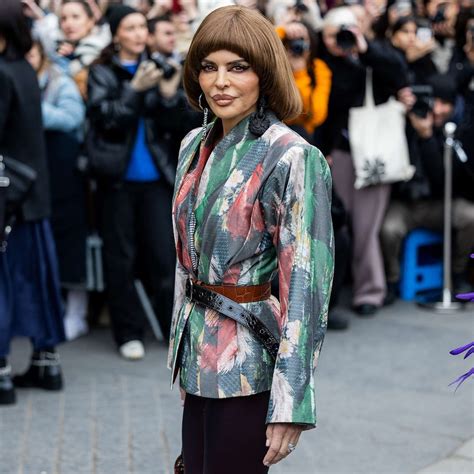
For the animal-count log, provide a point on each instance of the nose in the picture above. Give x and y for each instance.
(222, 79)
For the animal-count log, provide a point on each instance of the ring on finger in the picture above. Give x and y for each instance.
(291, 447)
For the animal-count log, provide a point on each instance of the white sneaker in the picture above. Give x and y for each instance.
(75, 327)
(132, 350)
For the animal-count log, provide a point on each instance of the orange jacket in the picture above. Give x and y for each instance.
(315, 100)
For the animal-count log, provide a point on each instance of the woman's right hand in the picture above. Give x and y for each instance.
(65, 49)
(146, 77)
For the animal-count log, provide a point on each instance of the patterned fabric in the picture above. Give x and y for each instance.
(244, 211)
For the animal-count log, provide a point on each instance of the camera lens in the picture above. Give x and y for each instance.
(345, 39)
(298, 46)
(168, 70)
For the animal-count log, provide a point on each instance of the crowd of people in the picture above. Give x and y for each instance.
(105, 139)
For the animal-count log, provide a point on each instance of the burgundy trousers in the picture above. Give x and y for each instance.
(225, 436)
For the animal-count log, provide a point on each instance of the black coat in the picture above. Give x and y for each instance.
(114, 110)
(21, 130)
(428, 157)
(348, 88)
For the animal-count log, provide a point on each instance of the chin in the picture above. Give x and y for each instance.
(72, 38)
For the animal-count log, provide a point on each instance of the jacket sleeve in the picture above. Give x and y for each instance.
(67, 112)
(181, 274)
(303, 237)
(5, 101)
(386, 64)
(110, 112)
(47, 31)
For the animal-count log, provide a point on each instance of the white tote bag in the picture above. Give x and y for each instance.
(378, 141)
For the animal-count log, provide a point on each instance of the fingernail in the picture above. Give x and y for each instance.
(266, 464)
(267, 443)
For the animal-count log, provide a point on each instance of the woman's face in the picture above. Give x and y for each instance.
(405, 37)
(33, 56)
(132, 34)
(230, 86)
(75, 22)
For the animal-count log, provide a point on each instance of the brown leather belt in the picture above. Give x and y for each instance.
(240, 294)
(212, 296)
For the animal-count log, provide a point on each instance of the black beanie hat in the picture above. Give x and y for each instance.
(444, 87)
(116, 14)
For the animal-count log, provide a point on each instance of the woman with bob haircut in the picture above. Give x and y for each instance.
(252, 199)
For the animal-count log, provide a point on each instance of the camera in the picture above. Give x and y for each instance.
(345, 39)
(298, 46)
(440, 15)
(300, 7)
(168, 70)
(403, 7)
(424, 100)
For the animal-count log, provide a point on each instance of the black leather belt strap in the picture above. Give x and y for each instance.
(235, 311)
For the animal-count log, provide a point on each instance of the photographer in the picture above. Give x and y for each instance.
(162, 39)
(72, 41)
(133, 109)
(443, 15)
(312, 77)
(284, 12)
(348, 53)
(421, 204)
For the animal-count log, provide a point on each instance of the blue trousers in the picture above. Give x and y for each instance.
(30, 299)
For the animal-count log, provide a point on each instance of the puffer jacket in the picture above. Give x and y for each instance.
(114, 109)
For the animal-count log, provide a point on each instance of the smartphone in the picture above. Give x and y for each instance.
(403, 7)
(424, 34)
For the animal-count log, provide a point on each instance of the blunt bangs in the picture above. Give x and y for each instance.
(247, 33)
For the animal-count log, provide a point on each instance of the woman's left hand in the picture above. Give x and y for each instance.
(280, 438)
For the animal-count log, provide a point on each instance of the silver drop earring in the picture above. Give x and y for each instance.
(204, 122)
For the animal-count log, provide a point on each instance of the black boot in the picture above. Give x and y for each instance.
(337, 321)
(392, 293)
(44, 372)
(7, 390)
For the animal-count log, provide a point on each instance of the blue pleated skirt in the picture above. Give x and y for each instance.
(30, 299)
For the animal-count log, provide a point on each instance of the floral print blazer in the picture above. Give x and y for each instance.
(243, 212)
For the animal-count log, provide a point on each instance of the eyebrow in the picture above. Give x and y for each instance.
(236, 61)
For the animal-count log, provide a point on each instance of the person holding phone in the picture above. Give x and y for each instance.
(73, 39)
(414, 48)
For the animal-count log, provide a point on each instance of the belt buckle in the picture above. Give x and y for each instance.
(189, 288)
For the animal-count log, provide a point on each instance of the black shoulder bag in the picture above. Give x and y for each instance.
(16, 181)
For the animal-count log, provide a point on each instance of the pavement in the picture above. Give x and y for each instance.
(384, 405)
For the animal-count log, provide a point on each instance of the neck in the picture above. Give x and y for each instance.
(127, 56)
(229, 124)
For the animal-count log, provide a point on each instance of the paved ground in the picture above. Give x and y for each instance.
(384, 406)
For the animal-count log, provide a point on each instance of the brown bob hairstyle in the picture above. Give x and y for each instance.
(245, 32)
